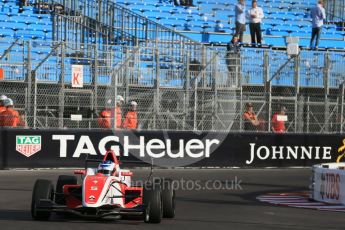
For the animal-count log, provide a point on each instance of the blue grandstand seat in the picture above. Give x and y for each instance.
(18, 19)
(219, 38)
(6, 32)
(332, 35)
(279, 33)
(286, 79)
(299, 34)
(104, 80)
(276, 41)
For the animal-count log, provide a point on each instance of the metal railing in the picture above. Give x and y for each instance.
(335, 12)
(127, 23)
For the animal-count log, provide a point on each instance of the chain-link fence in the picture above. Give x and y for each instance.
(175, 89)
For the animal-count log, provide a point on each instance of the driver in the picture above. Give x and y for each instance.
(107, 168)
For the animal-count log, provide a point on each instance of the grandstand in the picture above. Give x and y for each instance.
(142, 50)
(282, 18)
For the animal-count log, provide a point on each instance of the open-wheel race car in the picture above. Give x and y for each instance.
(105, 190)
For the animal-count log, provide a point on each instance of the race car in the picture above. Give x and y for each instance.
(105, 190)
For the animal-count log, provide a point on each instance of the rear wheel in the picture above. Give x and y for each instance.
(43, 189)
(153, 202)
(63, 180)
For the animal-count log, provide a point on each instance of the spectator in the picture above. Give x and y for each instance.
(278, 121)
(2, 100)
(219, 28)
(240, 10)
(233, 55)
(22, 121)
(189, 3)
(194, 67)
(255, 15)
(186, 26)
(131, 120)
(183, 3)
(251, 122)
(21, 4)
(118, 111)
(318, 14)
(232, 58)
(177, 2)
(9, 117)
(105, 117)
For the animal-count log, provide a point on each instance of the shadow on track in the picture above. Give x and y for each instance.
(17, 215)
(246, 198)
(25, 215)
(16, 189)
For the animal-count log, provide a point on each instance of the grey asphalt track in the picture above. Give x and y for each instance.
(197, 208)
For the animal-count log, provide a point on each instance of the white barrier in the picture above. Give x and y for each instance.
(329, 183)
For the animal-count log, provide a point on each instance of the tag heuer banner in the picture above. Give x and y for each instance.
(28, 148)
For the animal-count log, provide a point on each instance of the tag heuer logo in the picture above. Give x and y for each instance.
(28, 145)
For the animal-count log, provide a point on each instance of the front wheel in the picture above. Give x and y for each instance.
(168, 198)
(43, 189)
(153, 202)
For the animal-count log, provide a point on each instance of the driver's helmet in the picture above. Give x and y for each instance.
(106, 168)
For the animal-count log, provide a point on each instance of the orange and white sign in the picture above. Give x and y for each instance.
(2, 74)
(77, 76)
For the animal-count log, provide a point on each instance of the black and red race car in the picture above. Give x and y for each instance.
(105, 190)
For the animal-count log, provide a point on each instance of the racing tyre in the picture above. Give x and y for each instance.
(63, 180)
(152, 199)
(43, 189)
(168, 198)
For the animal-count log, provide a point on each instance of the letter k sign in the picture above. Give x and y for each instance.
(77, 76)
(76, 79)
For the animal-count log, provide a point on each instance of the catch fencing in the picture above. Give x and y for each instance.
(175, 89)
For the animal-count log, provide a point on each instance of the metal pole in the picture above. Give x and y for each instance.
(300, 117)
(296, 113)
(269, 105)
(326, 72)
(187, 95)
(157, 98)
(35, 100)
(62, 86)
(308, 113)
(341, 101)
(297, 74)
(29, 108)
(113, 121)
(215, 101)
(95, 82)
(204, 63)
(326, 114)
(298, 102)
(326, 85)
(127, 72)
(241, 108)
(268, 90)
(195, 104)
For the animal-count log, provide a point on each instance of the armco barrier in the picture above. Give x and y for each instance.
(26, 148)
